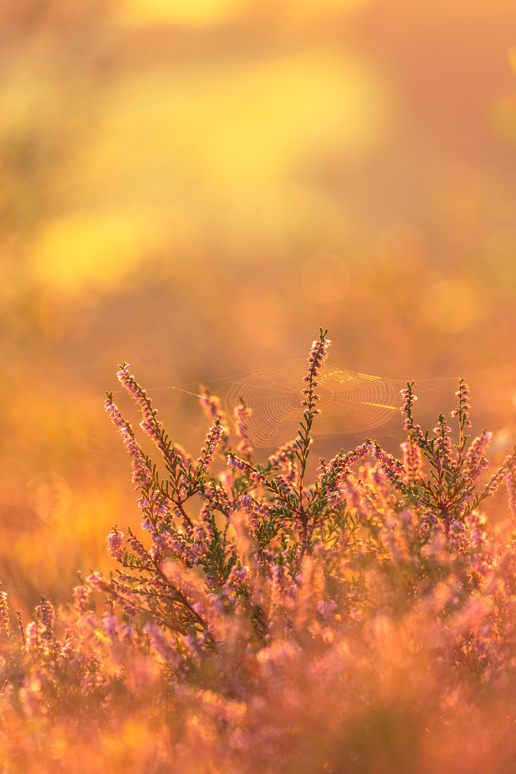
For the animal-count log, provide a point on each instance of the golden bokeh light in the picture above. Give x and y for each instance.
(325, 278)
(501, 254)
(262, 314)
(92, 249)
(402, 247)
(196, 139)
(208, 13)
(450, 306)
(463, 199)
(503, 118)
(191, 13)
(298, 12)
(329, 6)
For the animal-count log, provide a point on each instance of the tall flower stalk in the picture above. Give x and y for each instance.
(316, 360)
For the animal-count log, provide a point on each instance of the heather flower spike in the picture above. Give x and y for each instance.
(212, 408)
(208, 451)
(462, 412)
(46, 617)
(242, 414)
(4, 615)
(115, 542)
(317, 356)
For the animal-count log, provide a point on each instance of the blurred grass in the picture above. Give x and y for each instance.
(196, 186)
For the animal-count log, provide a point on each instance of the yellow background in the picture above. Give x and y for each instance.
(195, 186)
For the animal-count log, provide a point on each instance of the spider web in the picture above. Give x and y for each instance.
(350, 402)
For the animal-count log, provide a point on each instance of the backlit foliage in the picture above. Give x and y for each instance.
(361, 623)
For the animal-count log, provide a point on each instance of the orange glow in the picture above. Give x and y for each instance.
(188, 12)
(85, 249)
(195, 187)
(402, 247)
(189, 142)
(450, 306)
(325, 278)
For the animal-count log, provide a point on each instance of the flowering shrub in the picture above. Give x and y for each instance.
(363, 623)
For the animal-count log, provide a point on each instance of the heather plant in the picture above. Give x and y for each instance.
(364, 622)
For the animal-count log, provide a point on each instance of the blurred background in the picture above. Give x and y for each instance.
(195, 186)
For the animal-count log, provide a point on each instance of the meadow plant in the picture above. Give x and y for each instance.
(365, 622)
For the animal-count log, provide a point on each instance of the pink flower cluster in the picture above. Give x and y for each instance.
(242, 415)
(210, 445)
(115, 543)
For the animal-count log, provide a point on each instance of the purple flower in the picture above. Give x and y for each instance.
(81, 595)
(236, 462)
(46, 615)
(213, 437)
(476, 463)
(242, 414)
(115, 541)
(4, 614)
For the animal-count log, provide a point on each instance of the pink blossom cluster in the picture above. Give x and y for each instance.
(211, 406)
(213, 437)
(141, 473)
(81, 596)
(4, 615)
(317, 356)
(412, 461)
(283, 454)
(115, 543)
(150, 424)
(476, 463)
(242, 414)
(464, 408)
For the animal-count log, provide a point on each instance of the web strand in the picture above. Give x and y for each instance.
(351, 402)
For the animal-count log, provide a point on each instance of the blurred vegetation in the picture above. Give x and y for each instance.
(195, 186)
